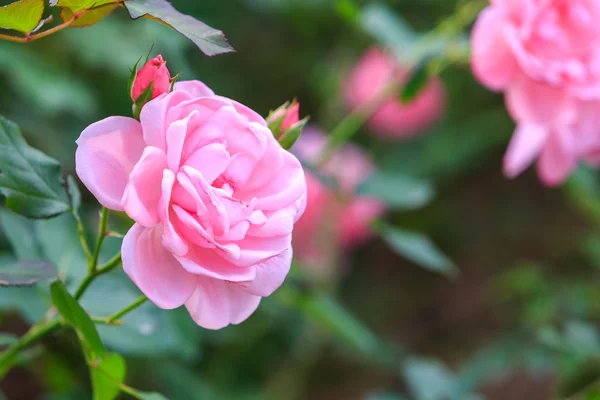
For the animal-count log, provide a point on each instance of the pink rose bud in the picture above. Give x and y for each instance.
(213, 196)
(285, 123)
(550, 77)
(154, 72)
(393, 120)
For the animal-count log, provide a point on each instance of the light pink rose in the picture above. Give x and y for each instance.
(393, 120)
(333, 218)
(213, 195)
(545, 56)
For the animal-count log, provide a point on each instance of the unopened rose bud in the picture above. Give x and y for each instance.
(154, 73)
(285, 123)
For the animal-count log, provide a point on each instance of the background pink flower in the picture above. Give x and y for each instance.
(545, 56)
(372, 74)
(213, 195)
(333, 218)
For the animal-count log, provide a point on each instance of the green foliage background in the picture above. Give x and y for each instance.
(520, 320)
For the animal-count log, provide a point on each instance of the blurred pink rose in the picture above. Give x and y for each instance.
(333, 219)
(213, 195)
(545, 56)
(154, 71)
(393, 120)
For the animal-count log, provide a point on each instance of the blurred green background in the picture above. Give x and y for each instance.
(520, 320)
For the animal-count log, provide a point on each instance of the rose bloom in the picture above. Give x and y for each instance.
(335, 217)
(394, 120)
(545, 56)
(213, 195)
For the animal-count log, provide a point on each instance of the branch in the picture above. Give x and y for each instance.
(30, 37)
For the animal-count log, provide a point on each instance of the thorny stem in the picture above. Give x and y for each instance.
(109, 266)
(31, 37)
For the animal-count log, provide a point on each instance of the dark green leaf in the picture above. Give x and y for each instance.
(397, 191)
(91, 17)
(416, 82)
(26, 273)
(23, 15)
(30, 180)
(418, 248)
(6, 339)
(78, 5)
(211, 41)
(107, 376)
(75, 315)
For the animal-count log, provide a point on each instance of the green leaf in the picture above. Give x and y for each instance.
(107, 376)
(6, 339)
(30, 180)
(146, 331)
(26, 273)
(75, 315)
(429, 379)
(387, 27)
(211, 41)
(20, 232)
(416, 82)
(416, 247)
(23, 15)
(398, 191)
(330, 314)
(78, 5)
(74, 193)
(347, 10)
(150, 395)
(91, 17)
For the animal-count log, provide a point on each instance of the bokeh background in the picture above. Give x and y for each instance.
(519, 320)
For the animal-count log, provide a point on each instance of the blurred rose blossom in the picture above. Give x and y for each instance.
(333, 218)
(394, 120)
(213, 195)
(545, 57)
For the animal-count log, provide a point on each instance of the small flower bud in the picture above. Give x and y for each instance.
(154, 73)
(285, 123)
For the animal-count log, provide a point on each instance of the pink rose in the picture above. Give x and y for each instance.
(393, 120)
(545, 56)
(154, 72)
(213, 195)
(333, 219)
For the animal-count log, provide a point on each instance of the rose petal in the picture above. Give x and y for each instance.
(524, 147)
(216, 304)
(493, 61)
(171, 237)
(143, 191)
(154, 117)
(195, 88)
(207, 262)
(106, 154)
(154, 270)
(270, 274)
(556, 162)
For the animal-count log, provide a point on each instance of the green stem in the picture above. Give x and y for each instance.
(34, 334)
(81, 232)
(141, 300)
(101, 235)
(350, 125)
(109, 266)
